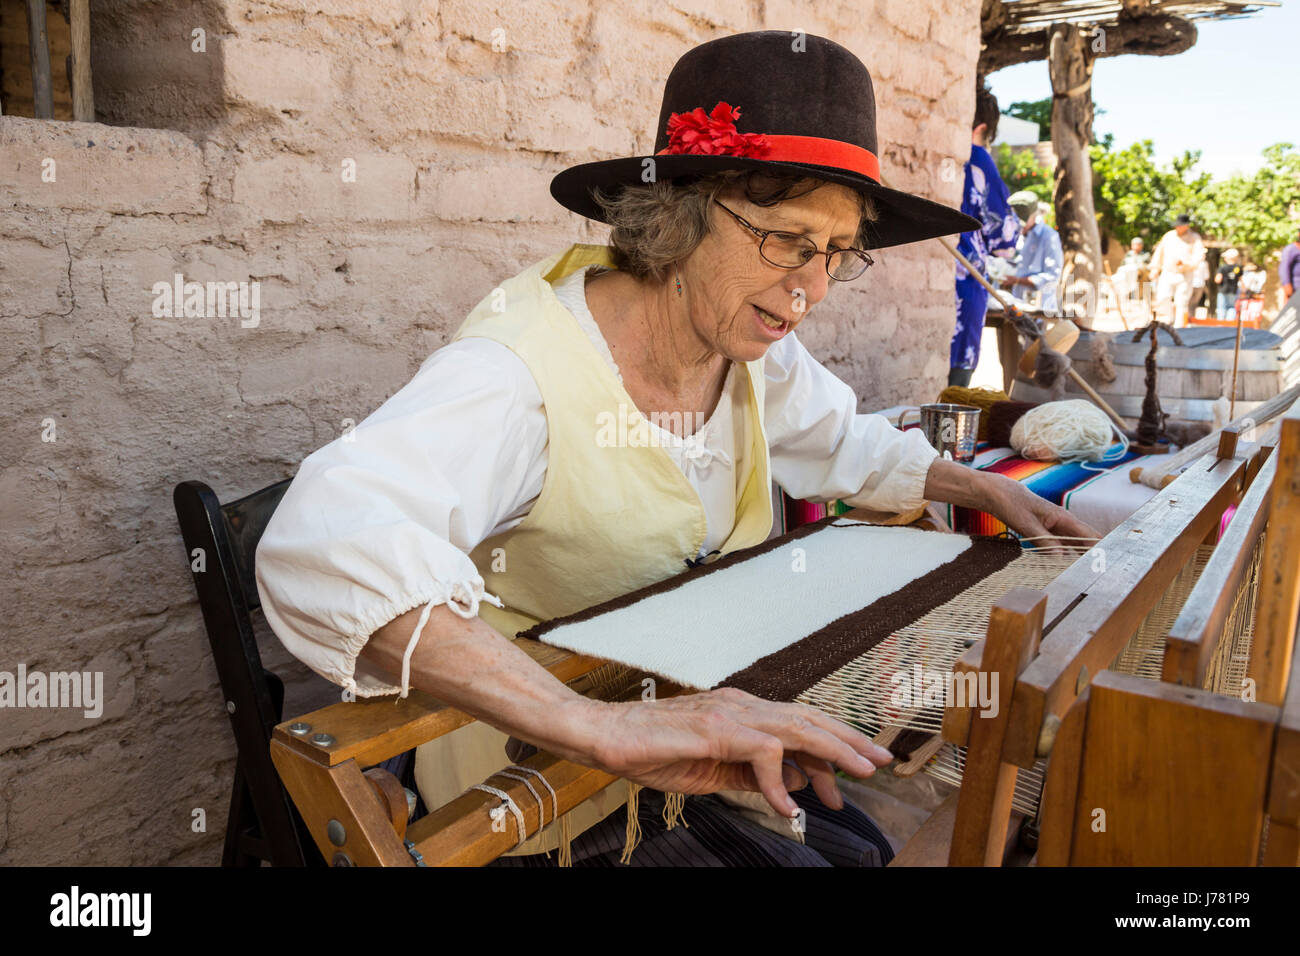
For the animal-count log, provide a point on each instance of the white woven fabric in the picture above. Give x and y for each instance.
(710, 627)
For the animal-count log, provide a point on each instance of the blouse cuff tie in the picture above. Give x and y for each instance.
(462, 600)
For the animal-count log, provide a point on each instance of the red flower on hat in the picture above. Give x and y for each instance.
(713, 134)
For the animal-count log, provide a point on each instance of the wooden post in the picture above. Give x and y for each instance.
(1279, 573)
(983, 812)
(39, 42)
(1168, 776)
(83, 96)
(1070, 59)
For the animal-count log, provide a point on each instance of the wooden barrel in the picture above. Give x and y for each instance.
(1189, 377)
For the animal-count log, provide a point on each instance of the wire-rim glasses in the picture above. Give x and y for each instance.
(788, 250)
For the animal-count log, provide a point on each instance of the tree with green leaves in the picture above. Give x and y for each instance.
(1259, 213)
(1019, 169)
(1135, 197)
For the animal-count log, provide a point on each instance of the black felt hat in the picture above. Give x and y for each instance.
(770, 100)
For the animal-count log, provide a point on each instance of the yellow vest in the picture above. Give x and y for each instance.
(612, 516)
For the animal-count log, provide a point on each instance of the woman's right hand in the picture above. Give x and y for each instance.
(728, 740)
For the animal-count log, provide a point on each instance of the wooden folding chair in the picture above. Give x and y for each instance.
(220, 543)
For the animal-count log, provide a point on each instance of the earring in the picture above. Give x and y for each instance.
(679, 284)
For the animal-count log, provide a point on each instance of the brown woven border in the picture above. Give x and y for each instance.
(787, 673)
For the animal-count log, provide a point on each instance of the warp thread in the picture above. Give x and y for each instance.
(981, 398)
(674, 806)
(1073, 430)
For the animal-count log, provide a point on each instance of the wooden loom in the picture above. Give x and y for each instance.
(1228, 771)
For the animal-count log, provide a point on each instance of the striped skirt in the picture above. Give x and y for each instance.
(715, 834)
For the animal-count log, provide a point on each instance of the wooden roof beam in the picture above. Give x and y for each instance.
(1154, 34)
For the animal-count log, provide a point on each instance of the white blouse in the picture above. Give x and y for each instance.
(381, 520)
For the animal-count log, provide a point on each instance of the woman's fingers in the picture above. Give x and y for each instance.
(1072, 526)
(822, 776)
(765, 757)
(878, 755)
(800, 734)
(732, 740)
(768, 715)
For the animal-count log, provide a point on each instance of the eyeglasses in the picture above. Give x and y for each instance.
(786, 250)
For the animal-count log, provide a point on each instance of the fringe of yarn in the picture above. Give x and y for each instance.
(633, 835)
(674, 805)
(566, 839)
(981, 398)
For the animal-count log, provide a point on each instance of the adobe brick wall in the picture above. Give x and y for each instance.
(225, 165)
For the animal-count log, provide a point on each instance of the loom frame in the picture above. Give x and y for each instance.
(1044, 644)
(1168, 812)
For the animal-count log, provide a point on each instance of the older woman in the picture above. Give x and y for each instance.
(496, 476)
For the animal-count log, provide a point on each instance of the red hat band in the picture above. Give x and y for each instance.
(714, 134)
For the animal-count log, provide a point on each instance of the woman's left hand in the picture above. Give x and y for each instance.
(1033, 517)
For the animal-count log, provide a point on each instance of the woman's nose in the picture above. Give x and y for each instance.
(812, 279)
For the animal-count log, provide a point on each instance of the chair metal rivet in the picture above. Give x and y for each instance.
(230, 706)
(322, 740)
(341, 859)
(338, 836)
(300, 729)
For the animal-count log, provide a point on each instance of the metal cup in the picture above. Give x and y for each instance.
(951, 429)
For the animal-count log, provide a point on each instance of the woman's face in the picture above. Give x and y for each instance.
(729, 286)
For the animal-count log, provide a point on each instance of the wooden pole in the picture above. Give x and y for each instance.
(1236, 354)
(39, 43)
(1069, 62)
(1119, 299)
(83, 95)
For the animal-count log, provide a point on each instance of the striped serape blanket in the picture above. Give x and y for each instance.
(1054, 481)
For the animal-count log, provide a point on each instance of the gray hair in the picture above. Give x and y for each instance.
(656, 225)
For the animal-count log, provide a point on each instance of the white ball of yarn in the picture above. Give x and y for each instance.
(1068, 430)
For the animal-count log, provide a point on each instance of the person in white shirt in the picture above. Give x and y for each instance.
(491, 492)
(1173, 266)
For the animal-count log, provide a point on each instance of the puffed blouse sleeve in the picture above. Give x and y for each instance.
(823, 449)
(382, 520)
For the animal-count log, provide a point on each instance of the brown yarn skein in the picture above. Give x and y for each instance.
(1002, 418)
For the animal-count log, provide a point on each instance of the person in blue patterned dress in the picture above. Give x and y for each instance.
(984, 196)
